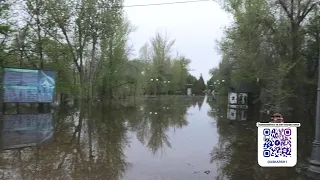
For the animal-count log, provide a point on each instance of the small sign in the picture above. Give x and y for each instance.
(243, 98)
(277, 144)
(233, 98)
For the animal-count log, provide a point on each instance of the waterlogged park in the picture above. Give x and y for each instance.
(95, 90)
(150, 136)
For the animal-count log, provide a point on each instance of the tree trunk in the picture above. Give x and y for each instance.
(41, 106)
(89, 121)
(81, 84)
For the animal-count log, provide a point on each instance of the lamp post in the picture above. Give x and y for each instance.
(217, 85)
(218, 82)
(314, 166)
(167, 83)
(154, 80)
(211, 88)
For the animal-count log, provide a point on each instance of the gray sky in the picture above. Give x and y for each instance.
(194, 26)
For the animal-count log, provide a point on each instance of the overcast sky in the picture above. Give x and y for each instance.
(195, 27)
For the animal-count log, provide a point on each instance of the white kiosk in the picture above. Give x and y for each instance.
(189, 91)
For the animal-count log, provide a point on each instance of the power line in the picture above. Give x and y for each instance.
(139, 5)
(169, 3)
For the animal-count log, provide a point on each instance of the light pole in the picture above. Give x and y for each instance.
(167, 83)
(154, 89)
(314, 166)
(217, 85)
(210, 86)
(218, 82)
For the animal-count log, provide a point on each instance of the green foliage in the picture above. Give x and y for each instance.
(164, 73)
(86, 43)
(275, 41)
(199, 86)
(4, 10)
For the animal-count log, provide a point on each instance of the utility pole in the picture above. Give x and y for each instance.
(314, 166)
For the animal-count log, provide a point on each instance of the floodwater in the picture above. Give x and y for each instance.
(168, 138)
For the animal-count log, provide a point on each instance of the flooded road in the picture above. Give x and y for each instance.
(169, 138)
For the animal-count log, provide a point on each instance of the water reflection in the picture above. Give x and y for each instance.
(171, 140)
(155, 119)
(107, 137)
(26, 130)
(237, 114)
(91, 142)
(164, 138)
(237, 149)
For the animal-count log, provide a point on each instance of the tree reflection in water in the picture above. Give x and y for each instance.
(236, 150)
(110, 138)
(156, 117)
(90, 141)
(69, 156)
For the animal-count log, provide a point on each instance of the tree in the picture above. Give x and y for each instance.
(159, 63)
(201, 84)
(274, 49)
(4, 33)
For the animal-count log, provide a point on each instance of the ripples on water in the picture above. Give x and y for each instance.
(169, 138)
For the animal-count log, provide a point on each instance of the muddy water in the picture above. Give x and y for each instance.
(169, 138)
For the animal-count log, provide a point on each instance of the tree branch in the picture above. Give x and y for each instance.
(306, 11)
(64, 31)
(285, 8)
(128, 82)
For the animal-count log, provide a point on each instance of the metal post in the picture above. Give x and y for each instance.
(315, 155)
(4, 108)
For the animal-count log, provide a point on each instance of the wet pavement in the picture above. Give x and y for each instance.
(168, 138)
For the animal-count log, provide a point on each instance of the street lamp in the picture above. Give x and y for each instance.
(211, 86)
(167, 82)
(314, 166)
(152, 81)
(218, 81)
